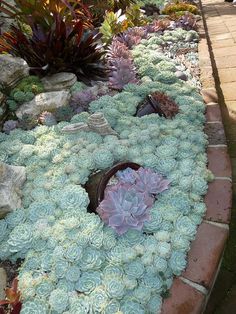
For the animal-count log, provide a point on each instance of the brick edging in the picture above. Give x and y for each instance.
(190, 292)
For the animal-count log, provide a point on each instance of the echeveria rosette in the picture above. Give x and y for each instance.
(124, 208)
(35, 306)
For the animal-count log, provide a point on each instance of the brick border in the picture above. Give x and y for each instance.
(190, 292)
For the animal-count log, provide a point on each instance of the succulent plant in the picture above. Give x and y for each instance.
(122, 73)
(81, 100)
(27, 122)
(63, 113)
(132, 36)
(47, 118)
(117, 49)
(10, 125)
(158, 26)
(186, 21)
(148, 181)
(124, 208)
(165, 106)
(179, 7)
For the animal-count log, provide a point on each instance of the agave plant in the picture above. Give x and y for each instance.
(12, 299)
(124, 208)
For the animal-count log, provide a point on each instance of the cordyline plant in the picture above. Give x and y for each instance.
(41, 12)
(12, 301)
(127, 204)
(61, 45)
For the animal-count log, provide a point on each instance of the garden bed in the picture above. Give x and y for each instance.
(72, 260)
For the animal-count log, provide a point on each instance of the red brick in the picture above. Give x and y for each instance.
(213, 113)
(209, 95)
(205, 254)
(219, 161)
(184, 299)
(219, 201)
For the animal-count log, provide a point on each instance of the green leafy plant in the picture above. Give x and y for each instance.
(180, 7)
(12, 300)
(116, 23)
(100, 8)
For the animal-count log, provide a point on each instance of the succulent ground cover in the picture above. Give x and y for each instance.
(72, 260)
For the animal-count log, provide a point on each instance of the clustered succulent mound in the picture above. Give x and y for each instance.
(180, 7)
(126, 204)
(74, 262)
(24, 92)
(186, 21)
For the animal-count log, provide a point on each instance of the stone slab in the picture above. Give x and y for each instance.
(184, 299)
(209, 95)
(225, 62)
(227, 76)
(229, 90)
(219, 201)
(215, 133)
(223, 43)
(205, 254)
(213, 113)
(219, 161)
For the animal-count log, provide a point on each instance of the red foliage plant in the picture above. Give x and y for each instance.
(12, 300)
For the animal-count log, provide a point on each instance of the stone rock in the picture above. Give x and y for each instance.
(96, 123)
(3, 283)
(3, 106)
(182, 76)
(12, 70)
(59, 81)
(11, 180)
(49, 101)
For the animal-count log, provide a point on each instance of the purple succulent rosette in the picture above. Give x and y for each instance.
(148, 181)
(126, 205)
(124, 208)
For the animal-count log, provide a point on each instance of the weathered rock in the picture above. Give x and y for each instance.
(3, 106)
(181, 75)
(11, 180)
(59, 81)
(3, 283)
(12, 70)
(96, 123)
(49, 101)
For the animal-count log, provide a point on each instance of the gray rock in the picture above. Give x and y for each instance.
(3, 283)
(49, 101)
(3, 106)
(182, 76)
(5, 20)
(59, 81)
(12, 70)
(11, 180)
